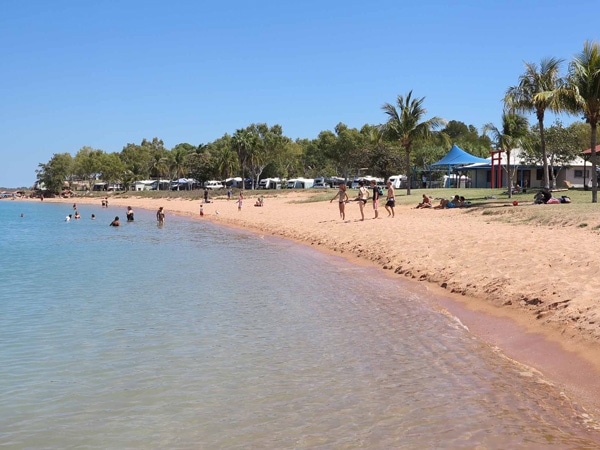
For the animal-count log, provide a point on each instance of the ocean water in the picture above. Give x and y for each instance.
(194, 336)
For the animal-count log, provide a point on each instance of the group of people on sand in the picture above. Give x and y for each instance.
(363, 197)
(455, 202)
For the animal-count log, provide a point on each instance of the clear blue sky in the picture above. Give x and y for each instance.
(77, 73)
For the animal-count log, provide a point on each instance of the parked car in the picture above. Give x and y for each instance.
(213, 185)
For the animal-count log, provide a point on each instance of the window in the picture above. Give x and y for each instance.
(578, 173)
(539, 174)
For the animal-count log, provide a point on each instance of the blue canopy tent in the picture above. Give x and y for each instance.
(457, 157)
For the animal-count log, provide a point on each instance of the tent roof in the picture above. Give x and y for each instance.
(458, 157)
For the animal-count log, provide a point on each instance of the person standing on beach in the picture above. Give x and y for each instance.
(201, 211)
(363, 196)
(160, 216)
(229, 194)
(342, 197)
(390, 201)
(240, 200)
(375, 198)
(206, 195)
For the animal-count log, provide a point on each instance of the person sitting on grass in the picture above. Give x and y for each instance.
(426, 203)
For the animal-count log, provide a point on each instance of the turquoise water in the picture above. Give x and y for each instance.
(195, 336)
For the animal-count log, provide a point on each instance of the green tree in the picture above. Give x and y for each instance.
(324, 146)
(137, 159)
(87, 164)
(563, 145)
(406, 125)
(55, 172)
(269, 143)
(511, 135)
(223, 151)
(201, 166)
(243, 142)
(384, 159)
(583, 134)
(348, 148)
(539, 89)
(466, 137)
(112, 169)
(584, 84)
(177, 161)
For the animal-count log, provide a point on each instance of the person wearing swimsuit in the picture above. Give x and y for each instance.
(342, 197)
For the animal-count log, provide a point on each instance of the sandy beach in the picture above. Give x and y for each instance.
(525, 288)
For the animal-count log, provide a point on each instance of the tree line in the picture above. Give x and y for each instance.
(405, 142)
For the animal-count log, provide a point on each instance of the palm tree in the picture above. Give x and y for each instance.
(539, 89)
(584, 86)
(178, 162)
(159, 166)
(514, 130)
(242, 141)
(405, 124)
(227, 162)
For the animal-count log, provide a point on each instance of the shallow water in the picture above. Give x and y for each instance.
(195, 336)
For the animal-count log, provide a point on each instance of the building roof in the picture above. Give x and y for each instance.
(589, 150)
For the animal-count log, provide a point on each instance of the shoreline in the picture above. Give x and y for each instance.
(534, 321)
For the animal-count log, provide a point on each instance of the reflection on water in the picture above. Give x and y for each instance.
(192, 336)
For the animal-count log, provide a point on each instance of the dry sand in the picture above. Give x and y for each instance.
(537, 287)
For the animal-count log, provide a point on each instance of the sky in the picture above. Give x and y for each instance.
(107, 73)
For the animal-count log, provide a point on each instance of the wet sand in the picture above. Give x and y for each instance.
(533, 294)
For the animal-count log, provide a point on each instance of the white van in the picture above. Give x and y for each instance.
(213, 185)
(398, 181)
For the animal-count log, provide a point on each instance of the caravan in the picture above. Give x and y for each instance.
(300, 183)
(269, 183)
(398, 181)
(456, 181)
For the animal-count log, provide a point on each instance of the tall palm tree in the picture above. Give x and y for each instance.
(539, 89)
(584, 85)
(405, 123)
(512, 134)
(243, 141)
(227, 162)
(178, 162)
(159, 165)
